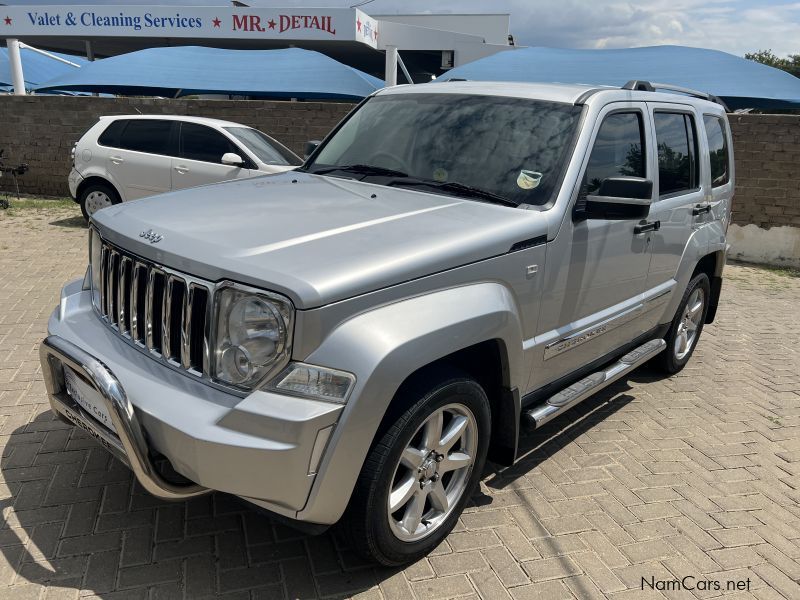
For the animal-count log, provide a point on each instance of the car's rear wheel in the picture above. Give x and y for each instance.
(687, 325)
(96, 196)
(418, 477)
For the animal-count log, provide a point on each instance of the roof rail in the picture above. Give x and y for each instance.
(647, 86)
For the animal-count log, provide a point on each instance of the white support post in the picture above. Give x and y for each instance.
(15, 62)
(391, 66)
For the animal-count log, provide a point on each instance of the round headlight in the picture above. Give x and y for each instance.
(251, 336)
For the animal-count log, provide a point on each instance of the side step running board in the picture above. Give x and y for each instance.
(580, 390)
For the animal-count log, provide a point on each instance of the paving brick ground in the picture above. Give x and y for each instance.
(694, 476)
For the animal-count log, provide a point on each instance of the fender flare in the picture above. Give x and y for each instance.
(383, 347)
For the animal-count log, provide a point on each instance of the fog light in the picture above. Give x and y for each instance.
(317, 383)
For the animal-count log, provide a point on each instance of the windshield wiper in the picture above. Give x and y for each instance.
(361, 170)
(457, 188)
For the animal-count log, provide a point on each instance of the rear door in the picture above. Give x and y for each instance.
(679, 190)
(140, 162)
(720, 169)
(199, 158)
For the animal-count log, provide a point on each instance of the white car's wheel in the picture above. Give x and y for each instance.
(96, 196)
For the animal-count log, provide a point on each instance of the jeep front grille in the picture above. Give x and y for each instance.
(164, 312)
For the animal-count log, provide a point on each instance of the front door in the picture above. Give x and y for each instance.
(596, 268)
(199, 159)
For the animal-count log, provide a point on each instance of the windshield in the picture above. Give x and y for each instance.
(513, 148)
(268, 151)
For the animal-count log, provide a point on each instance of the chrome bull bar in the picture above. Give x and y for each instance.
(129, 444)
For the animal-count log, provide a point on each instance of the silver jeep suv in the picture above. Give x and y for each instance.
(353, 339)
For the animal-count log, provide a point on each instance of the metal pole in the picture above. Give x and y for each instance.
(48, 54)
(403, 68)
(89, 50)
(391, 66)
(15, 62)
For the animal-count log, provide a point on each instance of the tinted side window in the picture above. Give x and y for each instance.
(147, 135)
(618, 150)
(199, 142)
(110, 137)
(677, 152)
(717, 150)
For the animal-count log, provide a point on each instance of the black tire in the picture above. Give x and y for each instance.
(103, 188)
(367, 520)
(670, 360)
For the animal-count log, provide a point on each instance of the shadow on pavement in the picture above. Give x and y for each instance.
(71, 222)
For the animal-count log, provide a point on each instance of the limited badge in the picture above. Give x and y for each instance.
(528, 180)
(439, 174)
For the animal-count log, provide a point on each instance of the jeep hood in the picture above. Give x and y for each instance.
(312, 238)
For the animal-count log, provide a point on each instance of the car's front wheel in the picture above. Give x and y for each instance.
(420, 474)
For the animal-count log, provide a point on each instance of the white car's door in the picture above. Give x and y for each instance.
(199, 158)
(139, 161)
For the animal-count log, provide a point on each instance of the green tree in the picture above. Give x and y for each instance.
(790, 64)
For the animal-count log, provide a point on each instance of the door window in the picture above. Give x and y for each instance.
(618, 150)
(677, 153)
(717, 150)
(147, 135)
(199, 142)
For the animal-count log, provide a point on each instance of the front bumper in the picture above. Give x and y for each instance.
(74, 180)
(259, 447)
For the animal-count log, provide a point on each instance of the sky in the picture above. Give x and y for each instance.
(735, 26)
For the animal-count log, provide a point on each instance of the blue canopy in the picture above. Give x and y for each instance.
(741, 83)
(37, 68)
(185, 70)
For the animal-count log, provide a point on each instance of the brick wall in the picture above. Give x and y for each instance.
(40, 130)
(767, 150)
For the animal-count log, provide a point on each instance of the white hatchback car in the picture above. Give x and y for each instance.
(124, 157)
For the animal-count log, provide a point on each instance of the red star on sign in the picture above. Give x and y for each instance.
(7, 20)
(271, 23)
(358, 24)
(216, 22)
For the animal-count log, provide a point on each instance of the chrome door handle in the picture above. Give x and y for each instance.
(700, 209)
(645, 226)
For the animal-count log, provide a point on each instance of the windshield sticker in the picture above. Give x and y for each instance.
(439, 174)
(529, 180)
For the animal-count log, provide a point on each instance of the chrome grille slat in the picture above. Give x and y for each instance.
(186, 330)
(162, 312)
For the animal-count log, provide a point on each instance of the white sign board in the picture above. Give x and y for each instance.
(344, 24)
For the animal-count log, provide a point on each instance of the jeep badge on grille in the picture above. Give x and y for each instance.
(152, 236)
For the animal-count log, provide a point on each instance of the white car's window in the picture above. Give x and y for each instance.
(147, 135)
(268, 150)
(199, 142)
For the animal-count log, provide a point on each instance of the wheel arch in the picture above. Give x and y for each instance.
(94, 180)
(474, 328)
(712, 264)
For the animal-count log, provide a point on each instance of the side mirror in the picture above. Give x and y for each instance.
(311, 145)
(620, 198)
(232, 159)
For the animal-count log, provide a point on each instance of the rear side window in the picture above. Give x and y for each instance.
(618, 150)
(147, 135)
(110, 137)
(677, 153)
(199, 142)
(717, 150)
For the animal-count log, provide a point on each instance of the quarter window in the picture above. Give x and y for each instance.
(677, 152)
(199, 142)
(717, 150)
(110, 137)
(146, 135)
(618, 150)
